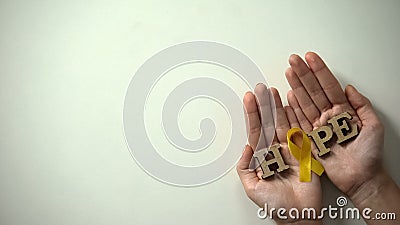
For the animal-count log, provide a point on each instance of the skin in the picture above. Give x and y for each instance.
(288, 191)
(355, 167)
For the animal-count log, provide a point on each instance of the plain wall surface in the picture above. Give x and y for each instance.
(65, 67)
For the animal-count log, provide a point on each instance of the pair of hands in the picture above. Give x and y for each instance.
(316, 96)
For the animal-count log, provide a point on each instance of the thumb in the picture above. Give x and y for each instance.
(363, 107)
(248, 177)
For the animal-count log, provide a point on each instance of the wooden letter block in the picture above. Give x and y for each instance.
(339, 124)
(319, 141)
(264, 163)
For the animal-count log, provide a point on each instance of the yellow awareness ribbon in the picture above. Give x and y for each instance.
(303, 155)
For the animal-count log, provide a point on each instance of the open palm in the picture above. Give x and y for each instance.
(316, 96)
(282, 190)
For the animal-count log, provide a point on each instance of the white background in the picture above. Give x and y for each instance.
(65, 67)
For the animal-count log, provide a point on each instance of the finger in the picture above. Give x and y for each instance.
(301, 118)
(297, 140)
(266, 106)
(363, 107)
(326, 79)
(248, 177)
(253, 125)
(309, 82)
(282, 124)
(291, 117)
(304, 100)
(305, 125)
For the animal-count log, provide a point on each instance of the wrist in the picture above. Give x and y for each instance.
(367, 192)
